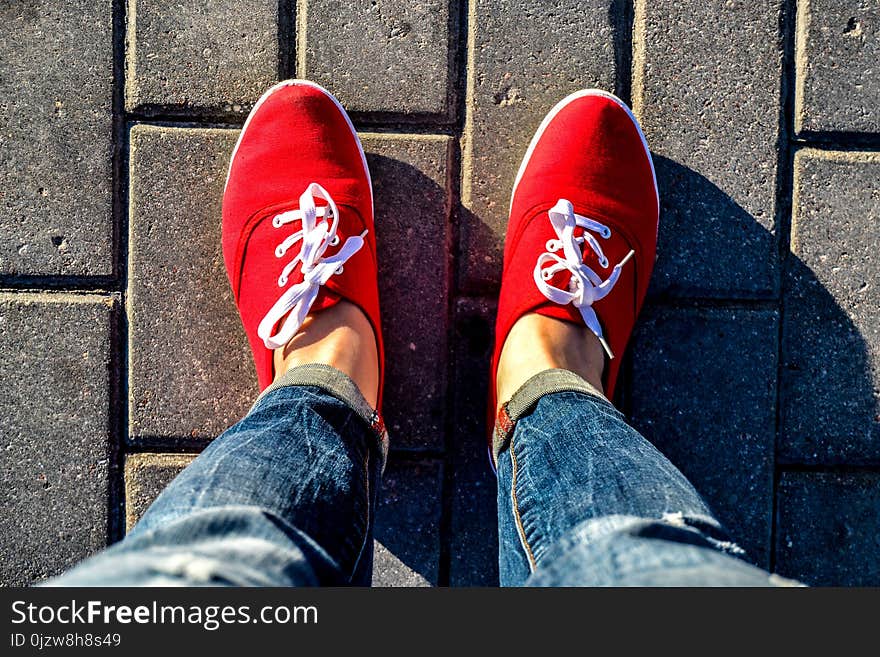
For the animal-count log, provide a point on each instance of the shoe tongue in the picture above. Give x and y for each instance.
(263, 236)
(539, 231)
(263, 272)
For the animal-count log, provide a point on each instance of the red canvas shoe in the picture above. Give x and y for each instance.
(582, 233)
(298, 231)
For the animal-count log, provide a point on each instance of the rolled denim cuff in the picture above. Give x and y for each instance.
(339, 385)
(524, 400)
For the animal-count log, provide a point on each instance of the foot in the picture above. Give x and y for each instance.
(340, 336)
(581, 242)
(536, 343)
(299, 241)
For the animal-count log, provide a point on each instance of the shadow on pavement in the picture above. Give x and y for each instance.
(706, 426)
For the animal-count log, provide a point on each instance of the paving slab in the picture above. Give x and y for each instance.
(706, 87)
(831, 329)
(410, 181)
(382, 56)
(200, 55)
(56, 138)
(190, 369)
(838, 66)
(473, 536)
(526, 56)
(704, 392)
(178, 286)
(147, 475)
(56, 447)
(407, 531)
(828, 528)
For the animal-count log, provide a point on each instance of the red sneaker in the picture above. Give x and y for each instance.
(298, 231)
(585, 198)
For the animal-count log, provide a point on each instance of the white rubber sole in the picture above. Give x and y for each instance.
(558, 108)
(303, 83)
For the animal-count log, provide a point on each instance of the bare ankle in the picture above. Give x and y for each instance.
(537, 343)
(340, 336)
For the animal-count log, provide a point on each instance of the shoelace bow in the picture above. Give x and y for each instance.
(316, 237)
(585, 286)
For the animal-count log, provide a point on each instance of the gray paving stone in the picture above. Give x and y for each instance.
(218, 56)
(56, 97)
(407, 529)
(706, 86)
(410, 181)
(838, 66)
(190, 369)
(828, 528)
(147, 475)
(526, 57)
(381, 56)
(831, 328)
(55, 446)
(181, 293)
(473, 538)
(704, 392)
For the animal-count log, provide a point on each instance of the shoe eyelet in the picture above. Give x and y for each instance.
(276, 221)
(606, 232)
(279, 252)
(553, 245)
(604, 263)
(339, 270)
(334, 241)
(546, 275)
(282, 281)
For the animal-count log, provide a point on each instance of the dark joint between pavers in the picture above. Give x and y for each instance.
(413, 123)
(839, 468)
(459, 27)
(181, 117)
(118, 420)
(175, 444)
(233, 118)
(220, 123)
(286, 39)
(851, 141)
(686, 303)
(623, 18)
(99, 285)
(177, 449)
(784, 208)
(119, 186)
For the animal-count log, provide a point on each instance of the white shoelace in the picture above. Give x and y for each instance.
(585, 286)
(316, 237)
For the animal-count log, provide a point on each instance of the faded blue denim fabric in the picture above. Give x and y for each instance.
(286, 498)
(584, 500)
(283, 498)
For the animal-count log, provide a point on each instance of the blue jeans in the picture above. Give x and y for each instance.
(286, 498)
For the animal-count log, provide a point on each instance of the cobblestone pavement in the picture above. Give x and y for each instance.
(755, 367)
